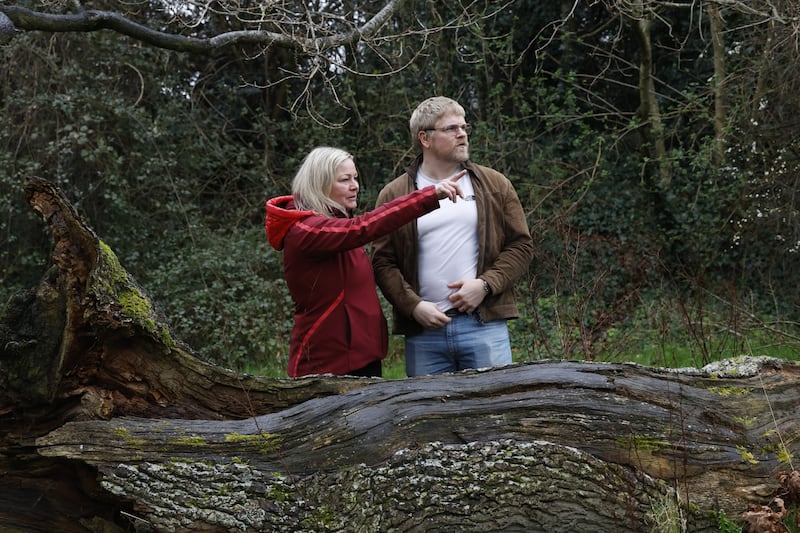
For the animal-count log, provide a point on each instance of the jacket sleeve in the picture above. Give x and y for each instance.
(392, 255)
(320, 234)
(513, 259)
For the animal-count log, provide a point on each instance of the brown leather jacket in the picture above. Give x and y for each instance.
(505, 248)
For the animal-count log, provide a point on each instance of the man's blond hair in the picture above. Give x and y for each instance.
(428, 112)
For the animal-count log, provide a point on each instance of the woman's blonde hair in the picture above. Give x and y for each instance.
(312, 185)
(428, 112)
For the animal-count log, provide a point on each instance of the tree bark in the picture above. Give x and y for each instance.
(109, 423)
(649, 110)
(716, 27)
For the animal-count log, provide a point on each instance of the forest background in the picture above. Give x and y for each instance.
(654, 146)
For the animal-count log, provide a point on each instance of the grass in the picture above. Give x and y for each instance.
(652, 351)
(661, 334)
(393, 365)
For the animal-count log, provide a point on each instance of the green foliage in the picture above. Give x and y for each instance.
(726, 525)
(170, 158)
(233, 285)
(661, 330)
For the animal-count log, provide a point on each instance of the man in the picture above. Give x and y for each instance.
(450, 274)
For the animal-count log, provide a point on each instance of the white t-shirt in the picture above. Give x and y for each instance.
(448, 243)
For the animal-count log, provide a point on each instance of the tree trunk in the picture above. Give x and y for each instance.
(109, 423)
(716, 27)
(652, 128)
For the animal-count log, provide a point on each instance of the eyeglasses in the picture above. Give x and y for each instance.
(453, 129)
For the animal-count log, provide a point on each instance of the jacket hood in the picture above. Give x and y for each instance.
(281, 215)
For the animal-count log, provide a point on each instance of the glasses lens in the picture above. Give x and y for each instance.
(455, 128)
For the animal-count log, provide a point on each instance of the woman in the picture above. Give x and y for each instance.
(339, 327)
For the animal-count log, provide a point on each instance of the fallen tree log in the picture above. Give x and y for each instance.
(108, 422)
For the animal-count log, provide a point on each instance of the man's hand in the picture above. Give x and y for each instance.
(429, 315)
(468, 296)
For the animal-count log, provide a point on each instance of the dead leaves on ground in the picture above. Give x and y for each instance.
(765, 519)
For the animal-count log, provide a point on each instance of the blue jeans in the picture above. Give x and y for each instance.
(465, 342)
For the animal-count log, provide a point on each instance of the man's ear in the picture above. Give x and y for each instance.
(424, 139)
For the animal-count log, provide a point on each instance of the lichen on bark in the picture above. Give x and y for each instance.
(499, 485)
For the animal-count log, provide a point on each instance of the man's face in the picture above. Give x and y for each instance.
(449, 141)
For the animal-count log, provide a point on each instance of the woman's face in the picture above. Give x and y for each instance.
(345, 185)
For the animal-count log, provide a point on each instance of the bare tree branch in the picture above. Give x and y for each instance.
(93, 20)
(321, 38)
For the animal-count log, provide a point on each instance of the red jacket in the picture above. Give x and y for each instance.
(338, 322)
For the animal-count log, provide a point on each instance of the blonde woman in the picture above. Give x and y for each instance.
(339, 327)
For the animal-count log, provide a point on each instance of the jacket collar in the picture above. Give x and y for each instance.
(413, 168)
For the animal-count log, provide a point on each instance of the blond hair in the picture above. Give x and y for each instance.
(312, 185)
(428, 112)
